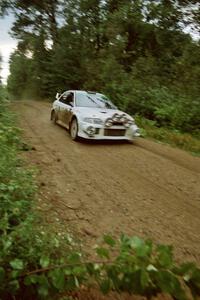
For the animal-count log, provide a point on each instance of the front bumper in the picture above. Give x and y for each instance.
(108, 133)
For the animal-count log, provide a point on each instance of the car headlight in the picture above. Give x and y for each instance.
(109, 122)
(93, 121)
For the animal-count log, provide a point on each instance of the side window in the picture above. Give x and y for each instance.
(63, 97)
(67, 98)
(70, 98)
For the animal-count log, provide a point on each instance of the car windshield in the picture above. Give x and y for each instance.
(93, 100)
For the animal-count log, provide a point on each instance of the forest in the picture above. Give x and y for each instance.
(136, 52)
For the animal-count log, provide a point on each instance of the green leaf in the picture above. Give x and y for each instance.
(131, 282)
(72, 283)
(165, 256)
(136, 242)
(68, 271)
(2, 274)
(143, 251)
(109, 240)
(124, 239)
(43, 291)
(168, 283)
(44, 261)
(58, 278)
(79, 270)
(196, 278)
(7, 244)
(141, 248)
(112, 273)
(90, 268)
(32, 279)
(13, 286)
(43, 288)
(17, 264)
(74, 258)
(105, 286)
(103, 252)
(15, 274)
(144, 279)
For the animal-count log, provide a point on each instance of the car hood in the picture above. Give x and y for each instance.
(102, 113)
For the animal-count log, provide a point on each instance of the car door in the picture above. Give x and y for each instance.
(60, 106)
(66, 106)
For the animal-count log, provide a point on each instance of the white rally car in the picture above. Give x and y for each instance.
(92, 115)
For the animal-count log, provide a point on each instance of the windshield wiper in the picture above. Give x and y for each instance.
(94, 101)
(107, 103)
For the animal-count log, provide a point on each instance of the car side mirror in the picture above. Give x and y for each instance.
(57, 96)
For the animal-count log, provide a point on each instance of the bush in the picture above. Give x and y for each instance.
(173, 137)
(22, 244)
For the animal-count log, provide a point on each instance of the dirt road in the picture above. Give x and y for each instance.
(145, 188)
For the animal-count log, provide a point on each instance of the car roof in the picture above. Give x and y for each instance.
(83, 92)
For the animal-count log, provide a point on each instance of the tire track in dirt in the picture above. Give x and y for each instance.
(144, 188)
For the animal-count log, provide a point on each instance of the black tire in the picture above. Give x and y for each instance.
(73, 130)
(53, 117)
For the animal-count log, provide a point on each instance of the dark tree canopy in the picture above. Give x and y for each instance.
(133, 50)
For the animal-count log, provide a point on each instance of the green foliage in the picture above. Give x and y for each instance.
(143, 268)
(173, 137)
(23, 246)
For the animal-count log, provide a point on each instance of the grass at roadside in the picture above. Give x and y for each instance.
(173, 137)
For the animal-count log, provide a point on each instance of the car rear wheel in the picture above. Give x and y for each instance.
(74, 130)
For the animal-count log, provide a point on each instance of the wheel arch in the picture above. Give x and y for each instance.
(74, 117)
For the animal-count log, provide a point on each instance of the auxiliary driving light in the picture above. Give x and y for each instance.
(109, 122)
(90, 131)
(116, 117)
(123, 118)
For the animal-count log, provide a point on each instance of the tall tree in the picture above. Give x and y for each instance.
(31, 15)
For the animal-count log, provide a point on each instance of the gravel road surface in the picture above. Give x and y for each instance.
(141, 188)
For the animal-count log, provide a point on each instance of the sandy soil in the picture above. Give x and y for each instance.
(145, 188)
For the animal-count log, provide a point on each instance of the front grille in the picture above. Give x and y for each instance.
(117, 123)
(114, 132)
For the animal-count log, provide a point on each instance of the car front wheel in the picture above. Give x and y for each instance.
(74, 130)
